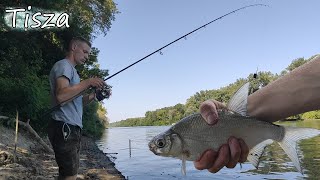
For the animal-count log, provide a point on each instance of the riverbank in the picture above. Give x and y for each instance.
(32, 162)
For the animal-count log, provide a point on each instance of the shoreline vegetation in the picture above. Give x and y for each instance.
(173, 114)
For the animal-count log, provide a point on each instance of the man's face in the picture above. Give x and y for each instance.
(81, 52)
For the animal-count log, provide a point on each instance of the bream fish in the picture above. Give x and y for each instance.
(191, 136)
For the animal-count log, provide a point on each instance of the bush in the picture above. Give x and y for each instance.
(311, 115)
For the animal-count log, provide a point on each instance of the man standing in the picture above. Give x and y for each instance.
(65, 126)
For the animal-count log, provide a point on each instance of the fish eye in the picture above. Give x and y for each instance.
(160, 143)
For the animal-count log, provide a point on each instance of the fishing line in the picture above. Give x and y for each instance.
(156, 51)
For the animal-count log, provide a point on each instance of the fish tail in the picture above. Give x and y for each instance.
(289, 142)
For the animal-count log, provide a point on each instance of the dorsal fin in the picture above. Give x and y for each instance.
(238, 102)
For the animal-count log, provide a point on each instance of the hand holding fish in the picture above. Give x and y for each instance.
(229, 154)
(191, 136)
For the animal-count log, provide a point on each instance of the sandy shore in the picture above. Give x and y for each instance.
(33, 163)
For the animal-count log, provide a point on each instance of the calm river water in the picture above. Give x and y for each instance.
(142, 164)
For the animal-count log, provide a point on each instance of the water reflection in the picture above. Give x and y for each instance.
(309, 149)
(143, 164)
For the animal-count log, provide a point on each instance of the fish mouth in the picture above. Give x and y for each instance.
(152, 148)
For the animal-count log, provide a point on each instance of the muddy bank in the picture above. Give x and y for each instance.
(32, 162)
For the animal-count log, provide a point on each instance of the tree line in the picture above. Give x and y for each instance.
(26, 58)
(172, 114)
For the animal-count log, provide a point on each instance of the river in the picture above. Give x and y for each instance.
(142, 164)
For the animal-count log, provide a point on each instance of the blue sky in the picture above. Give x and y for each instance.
(265, 37)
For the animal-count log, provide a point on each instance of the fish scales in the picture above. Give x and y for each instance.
(198, 136)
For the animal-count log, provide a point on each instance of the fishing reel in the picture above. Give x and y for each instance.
(103, 93)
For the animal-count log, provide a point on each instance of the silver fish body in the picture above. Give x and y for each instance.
(191, 136)
(196, 136)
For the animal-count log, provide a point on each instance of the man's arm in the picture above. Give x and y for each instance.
(294, 93)
(65, 92)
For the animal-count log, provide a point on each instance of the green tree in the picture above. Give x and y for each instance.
(26, 57)
(296, 63)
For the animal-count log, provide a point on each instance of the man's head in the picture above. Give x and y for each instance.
(79, 50)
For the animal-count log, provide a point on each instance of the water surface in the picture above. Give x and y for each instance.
(142, 164)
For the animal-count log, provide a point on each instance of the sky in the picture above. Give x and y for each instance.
(267, 38)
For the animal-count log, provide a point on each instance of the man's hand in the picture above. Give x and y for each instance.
(229, 154)
(96, 82)
(103, 93)
(208, 110)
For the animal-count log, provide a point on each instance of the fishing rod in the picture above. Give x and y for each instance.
(107, 88)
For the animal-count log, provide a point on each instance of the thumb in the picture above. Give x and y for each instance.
(208, 110)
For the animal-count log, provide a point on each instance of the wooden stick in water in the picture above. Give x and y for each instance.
(130, 147)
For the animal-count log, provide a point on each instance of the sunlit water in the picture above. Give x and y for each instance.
(142, 164)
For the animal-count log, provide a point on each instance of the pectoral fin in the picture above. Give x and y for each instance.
(257, 151)
(183, 164)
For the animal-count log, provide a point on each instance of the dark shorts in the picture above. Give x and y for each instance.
(66, 146)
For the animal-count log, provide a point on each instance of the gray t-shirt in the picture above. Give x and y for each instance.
(71, 112)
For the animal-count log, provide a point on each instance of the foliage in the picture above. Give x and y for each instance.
(263, 79)
(128, 122)
(91, 122)
(102, 114)
(311, 115)
(296, 63)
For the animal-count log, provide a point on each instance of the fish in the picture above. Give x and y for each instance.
(189, 138)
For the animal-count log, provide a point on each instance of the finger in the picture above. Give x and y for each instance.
(222, 159)
(206, 160)
(244, 151)
(97, 85)
(209, 112)
(99, 81)
(102, 82)
(218, 104)
(235, 152)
